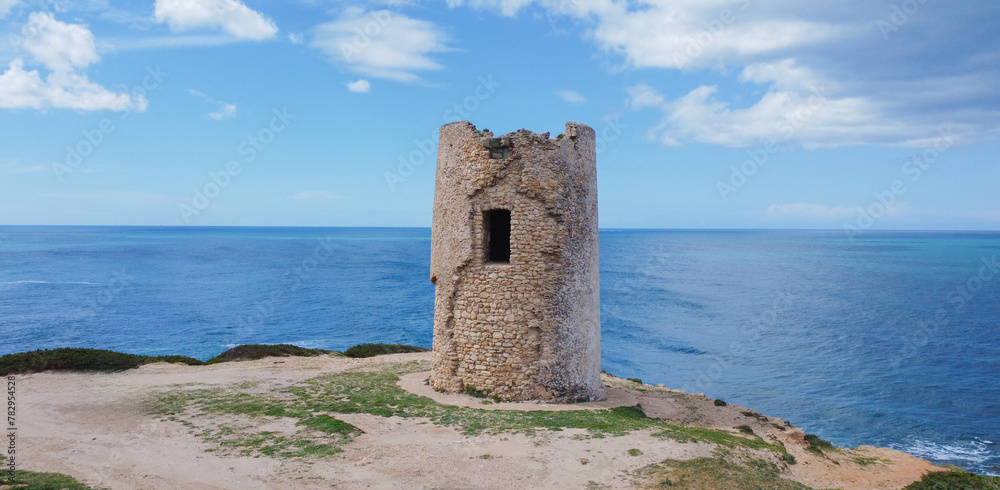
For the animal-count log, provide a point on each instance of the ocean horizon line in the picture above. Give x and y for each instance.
(428, 227)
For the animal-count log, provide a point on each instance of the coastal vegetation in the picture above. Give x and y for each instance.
(725, 470)
(32, 480)
(100, 360)
(955, 479)
(80, 359)
(375, 392)
(249, 352)
(371, 350)
(308, 420)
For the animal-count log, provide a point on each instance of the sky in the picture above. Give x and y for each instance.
(854, 115)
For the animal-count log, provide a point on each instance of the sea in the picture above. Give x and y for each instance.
(883, 338)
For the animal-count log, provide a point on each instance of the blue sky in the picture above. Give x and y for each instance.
(850, 115)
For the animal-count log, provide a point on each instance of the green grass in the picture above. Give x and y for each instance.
(80, 359)
(375, 392)
(863, 461)
(718, 472)
(372, 350)
(30, 480)
(956, 479)
(817, 444)
(718, 437)
(259, 351)
(634, 452)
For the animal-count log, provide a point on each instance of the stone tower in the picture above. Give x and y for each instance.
(514, 262)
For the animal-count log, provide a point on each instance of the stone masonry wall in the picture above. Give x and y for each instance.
(529, 329)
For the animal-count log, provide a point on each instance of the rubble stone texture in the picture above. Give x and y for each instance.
(527, 329)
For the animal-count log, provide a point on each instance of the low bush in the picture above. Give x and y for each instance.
(955, 479)
(817, 444)
(249, 352)
(372, 350)
(80, 359)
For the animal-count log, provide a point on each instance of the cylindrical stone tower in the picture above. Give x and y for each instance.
(514, 261)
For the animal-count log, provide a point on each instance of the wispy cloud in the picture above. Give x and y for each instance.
(14, 168)
(313, 196)
(381, 44)
(231, 16)
(571, 96)
(226, 110)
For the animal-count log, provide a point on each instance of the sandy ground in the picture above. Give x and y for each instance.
(95, 427)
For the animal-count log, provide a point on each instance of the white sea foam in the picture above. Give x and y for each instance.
(975, 451)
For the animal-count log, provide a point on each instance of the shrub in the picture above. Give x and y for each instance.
(634, 380)
(817, 444)
(190, 361)
(259, 351)
(745, 429)
(79, 359)
(372, 350)
(957, 479)
(720, 403)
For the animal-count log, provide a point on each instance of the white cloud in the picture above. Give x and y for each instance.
(571, 96)
(360, 86)
(940, 67)
(22, 89)
(6, 5)
(58, 45)
(295, 38)
(796, 108)
(381, 44)
(313, 196)
(232, 16)
(64, 49)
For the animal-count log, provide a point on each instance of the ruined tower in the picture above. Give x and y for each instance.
(514, 262)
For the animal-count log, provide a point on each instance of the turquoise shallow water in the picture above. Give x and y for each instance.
(889, 339)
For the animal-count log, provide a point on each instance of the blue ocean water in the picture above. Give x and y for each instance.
(887, 339)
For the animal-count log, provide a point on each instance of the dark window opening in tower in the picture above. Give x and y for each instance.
(497, 226)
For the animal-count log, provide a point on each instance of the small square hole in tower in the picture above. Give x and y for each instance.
(496, 223)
